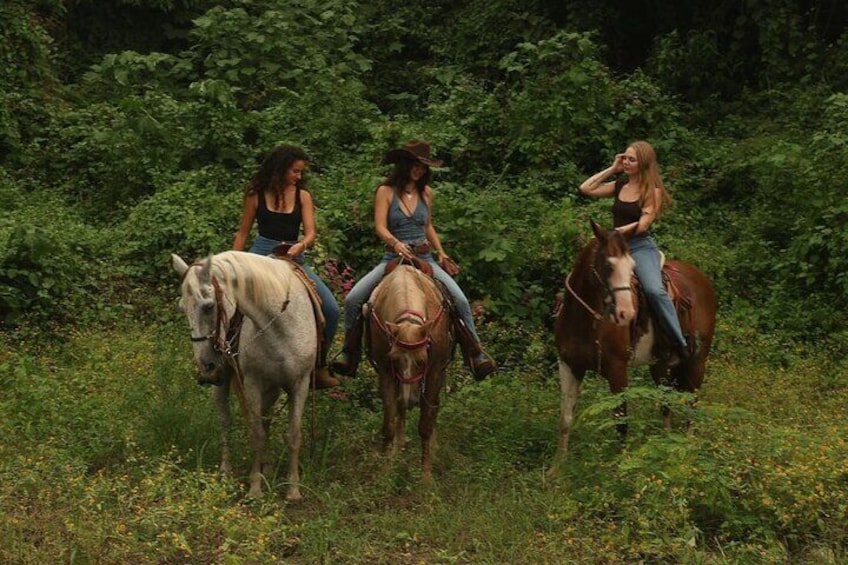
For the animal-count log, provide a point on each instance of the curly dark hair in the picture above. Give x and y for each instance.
(272, 171)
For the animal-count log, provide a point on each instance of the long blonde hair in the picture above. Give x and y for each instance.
(650, 178)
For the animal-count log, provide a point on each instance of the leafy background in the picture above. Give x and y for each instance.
(129, 128)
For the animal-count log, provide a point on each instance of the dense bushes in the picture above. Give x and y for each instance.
(153, 149)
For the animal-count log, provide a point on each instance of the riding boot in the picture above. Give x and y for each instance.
(680, 355)
(478, 361)
(321, 377)
(347, 361)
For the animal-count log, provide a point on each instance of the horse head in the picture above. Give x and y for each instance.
(613, 266)
(409, 340)
(201, 302)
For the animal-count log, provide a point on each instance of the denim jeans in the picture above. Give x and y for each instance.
(646, 254)
(329, 306)
(361, 292)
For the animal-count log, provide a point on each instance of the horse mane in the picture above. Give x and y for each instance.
(398, 289)
(249, 276)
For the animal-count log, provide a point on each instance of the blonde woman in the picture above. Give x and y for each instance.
(639, 198)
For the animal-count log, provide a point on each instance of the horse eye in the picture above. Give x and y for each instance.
(207, 308)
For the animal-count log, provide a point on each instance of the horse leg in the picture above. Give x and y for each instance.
(253, 397)
(659, 372)
(427, 433)
(221, 394)
(268, 400)
(388, 392)
(616, 375)
(296, 403)
(569, 387)
(689, 379)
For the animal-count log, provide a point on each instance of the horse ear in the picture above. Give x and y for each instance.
(205, 270)
(600, 233)
(180, 266)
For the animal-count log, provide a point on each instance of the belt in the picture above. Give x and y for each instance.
(417, 248)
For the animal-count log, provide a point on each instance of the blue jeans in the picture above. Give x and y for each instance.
(361, 292)
(644, 251)
(329, 306)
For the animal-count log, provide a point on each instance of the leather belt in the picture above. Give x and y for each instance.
(417, 248)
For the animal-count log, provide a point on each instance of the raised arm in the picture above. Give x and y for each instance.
(596, 187)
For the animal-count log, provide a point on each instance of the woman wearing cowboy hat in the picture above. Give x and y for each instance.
(403, 220)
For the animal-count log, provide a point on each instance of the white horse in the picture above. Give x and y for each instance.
(277, 345)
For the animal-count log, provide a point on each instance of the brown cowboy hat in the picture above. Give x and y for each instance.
(414, 151)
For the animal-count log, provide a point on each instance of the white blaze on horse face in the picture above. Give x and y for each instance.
(199, 307)
(622, 272)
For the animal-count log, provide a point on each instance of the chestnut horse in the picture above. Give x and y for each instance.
(410, 344)
(601, 326)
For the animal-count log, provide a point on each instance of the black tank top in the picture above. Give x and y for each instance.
(623, 212)
(279, 226)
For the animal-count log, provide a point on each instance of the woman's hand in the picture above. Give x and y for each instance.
(617, 164)
(296, 250)
(402, 249)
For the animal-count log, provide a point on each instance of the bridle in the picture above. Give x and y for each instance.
(222, 345)
(228, 345)
(609, 291)
(417, 318)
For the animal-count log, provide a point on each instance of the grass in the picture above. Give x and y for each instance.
(110, 450)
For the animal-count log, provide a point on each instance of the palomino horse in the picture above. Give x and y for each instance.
(410, 344)
(600, 326)
(277, 345)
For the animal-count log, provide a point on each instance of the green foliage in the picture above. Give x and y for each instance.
(112, 454)
(26, 74)
(51, 267)
(194, 217)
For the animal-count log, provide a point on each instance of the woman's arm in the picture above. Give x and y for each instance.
(382, 200)
(248, 214)
(647, 218)
(594, 185)
(430, 228)
(307, 211)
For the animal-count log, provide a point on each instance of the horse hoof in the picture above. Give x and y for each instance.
(294, 495)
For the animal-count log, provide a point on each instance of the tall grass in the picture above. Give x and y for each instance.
(109, 454)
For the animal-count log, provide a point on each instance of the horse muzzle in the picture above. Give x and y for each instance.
(210, 374)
